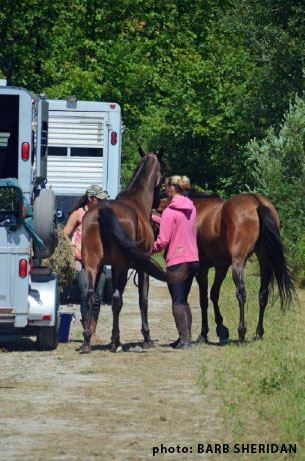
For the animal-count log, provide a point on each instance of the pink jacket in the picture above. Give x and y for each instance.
(178, 232)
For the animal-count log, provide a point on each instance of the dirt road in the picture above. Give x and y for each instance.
(64, 406)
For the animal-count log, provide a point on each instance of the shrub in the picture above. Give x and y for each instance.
(277, 165)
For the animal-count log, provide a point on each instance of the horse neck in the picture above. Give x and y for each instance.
(141, 188)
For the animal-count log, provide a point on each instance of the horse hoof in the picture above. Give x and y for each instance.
(116, 348)
(85, 349)
(258, 337)
(223, 341)
(223, 334)
(202, 339)
(175, 344)
(241, 342)
(148, 344)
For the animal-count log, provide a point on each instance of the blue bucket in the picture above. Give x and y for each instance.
(64, 328)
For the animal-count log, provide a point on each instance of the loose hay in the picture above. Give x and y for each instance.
(62, 261)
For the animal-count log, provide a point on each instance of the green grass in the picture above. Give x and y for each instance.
(158, 257)
(262, 384)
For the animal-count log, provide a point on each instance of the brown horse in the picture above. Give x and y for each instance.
(119, 232)
(228, 232)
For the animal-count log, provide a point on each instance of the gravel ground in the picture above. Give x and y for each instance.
(61, 405)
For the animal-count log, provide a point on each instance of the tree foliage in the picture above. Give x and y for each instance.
(200, 78)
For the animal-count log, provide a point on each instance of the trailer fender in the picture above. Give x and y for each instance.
(43, 299)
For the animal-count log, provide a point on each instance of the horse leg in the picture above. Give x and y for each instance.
(202, 279)
(119, 280)
(143, 303)
(221, 330)
(266, 275)
(90, 277)
(238, 277)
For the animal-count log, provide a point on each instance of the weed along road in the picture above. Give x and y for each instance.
(142, 403)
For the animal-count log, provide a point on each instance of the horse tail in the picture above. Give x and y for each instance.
(271, 241)
(109, 224)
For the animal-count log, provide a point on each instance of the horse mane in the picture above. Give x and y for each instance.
(193, 193)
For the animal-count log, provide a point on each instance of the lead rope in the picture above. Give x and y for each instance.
(134, 277)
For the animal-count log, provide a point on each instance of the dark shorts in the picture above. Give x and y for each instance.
(180, 291)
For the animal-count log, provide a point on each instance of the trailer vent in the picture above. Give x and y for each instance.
(75, 131)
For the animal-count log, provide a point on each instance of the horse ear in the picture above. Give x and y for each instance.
(160, 153)
(141, 152)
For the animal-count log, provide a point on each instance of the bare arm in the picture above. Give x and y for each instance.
(73, 222)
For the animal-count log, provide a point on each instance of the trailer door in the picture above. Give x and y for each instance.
(78, 142)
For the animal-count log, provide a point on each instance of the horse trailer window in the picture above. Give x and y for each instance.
(57, 150)
(86, 152)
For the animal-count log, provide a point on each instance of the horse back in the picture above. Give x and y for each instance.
(208, 217)
(243, 207)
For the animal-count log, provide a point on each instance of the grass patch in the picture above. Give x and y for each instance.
(203, 381)
(158, 257)
(262, 383)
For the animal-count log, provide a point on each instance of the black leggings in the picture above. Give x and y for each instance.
(180, 291)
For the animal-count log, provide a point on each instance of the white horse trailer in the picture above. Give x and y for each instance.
(29, 298)
(84, 148)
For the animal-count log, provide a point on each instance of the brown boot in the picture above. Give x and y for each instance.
(94, 338)
(183, 319)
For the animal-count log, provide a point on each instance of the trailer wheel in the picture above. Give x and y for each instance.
(45, 219)
(47, 338)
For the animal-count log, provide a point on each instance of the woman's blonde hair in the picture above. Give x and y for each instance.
(179, 182)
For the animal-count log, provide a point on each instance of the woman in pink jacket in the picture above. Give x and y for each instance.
(177, 238)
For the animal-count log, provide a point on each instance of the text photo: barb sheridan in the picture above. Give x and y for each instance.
(219, 448)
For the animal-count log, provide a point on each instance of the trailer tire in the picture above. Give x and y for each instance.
(45, 219)
(47, 338)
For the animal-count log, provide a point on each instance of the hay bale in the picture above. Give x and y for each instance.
(62, 261)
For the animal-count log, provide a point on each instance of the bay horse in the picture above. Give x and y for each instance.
(228, 232)
(119, 232)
